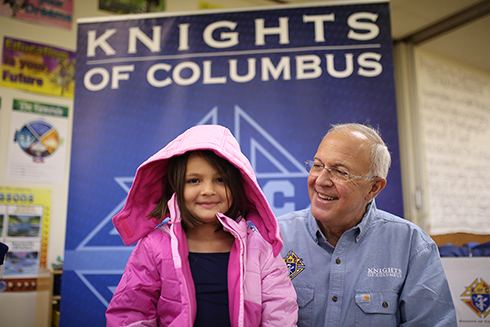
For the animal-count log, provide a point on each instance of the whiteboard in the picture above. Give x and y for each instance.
(454, 109)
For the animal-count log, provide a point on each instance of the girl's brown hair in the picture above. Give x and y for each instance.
(174, 182)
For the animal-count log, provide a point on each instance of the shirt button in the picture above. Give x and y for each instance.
(337, 261)
(385, 305)
(335, 299)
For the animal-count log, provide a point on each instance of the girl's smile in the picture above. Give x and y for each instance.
(205, 193)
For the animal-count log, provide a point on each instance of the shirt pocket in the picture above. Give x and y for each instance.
(377, 308)
(305, 295)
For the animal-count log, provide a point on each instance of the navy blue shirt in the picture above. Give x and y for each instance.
(210, 275)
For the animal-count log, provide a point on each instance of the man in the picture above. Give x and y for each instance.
(352, 264)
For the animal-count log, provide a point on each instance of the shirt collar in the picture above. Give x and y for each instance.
(367, 219)
(362, 227)
(313, 228)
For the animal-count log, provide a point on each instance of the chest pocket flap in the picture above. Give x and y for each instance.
(305, 295)
(377, 302)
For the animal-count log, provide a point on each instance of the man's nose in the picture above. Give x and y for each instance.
(324, 178)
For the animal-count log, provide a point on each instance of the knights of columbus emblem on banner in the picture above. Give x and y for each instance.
(479, 301)
(295, 265)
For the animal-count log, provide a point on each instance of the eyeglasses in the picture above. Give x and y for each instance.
(334, 174)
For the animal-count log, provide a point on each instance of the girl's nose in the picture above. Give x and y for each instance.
(207, 188)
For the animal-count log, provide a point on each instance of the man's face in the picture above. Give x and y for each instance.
(340, 205)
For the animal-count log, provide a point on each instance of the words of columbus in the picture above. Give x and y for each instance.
(242, 66)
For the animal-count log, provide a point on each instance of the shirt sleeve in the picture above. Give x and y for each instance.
(136, 296)
(426, 298)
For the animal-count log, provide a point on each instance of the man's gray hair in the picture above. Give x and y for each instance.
(380, 156)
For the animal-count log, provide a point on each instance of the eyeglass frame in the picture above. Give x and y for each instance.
(340, 176)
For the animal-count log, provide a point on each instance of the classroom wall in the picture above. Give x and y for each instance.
(413, 168)
(409, 122)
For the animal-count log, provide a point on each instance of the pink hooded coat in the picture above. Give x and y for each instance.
(157, 288)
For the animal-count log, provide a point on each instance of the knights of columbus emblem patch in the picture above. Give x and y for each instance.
(295, 265)
(479, 301)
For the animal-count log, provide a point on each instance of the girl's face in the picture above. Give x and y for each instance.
(205, 193)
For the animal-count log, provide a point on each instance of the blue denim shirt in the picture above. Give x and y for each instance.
(386, 271)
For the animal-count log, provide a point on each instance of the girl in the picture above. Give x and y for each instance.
(208, 243)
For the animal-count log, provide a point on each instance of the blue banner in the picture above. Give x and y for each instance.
(277, 78)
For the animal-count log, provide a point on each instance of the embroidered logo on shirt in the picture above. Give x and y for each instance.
(294, 263)
(385, 272)
(479, 301)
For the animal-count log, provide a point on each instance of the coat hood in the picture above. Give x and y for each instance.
(132, 222)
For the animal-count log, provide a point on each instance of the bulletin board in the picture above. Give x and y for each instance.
(454, 111)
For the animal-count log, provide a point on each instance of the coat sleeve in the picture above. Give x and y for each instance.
(279, 306)
(135, 299)
(426, 298)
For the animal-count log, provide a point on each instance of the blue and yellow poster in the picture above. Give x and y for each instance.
(277, 78)
(37, 68)
(24, 227)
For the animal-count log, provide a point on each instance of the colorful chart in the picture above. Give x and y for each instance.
(38, 139)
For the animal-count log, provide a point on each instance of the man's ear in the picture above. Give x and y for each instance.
(376, 186)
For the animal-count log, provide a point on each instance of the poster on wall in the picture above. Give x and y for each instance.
(37, 151)
(24, 228)
(469, 280)
(277, 78)
(132, 6)
(57, 13)
(454, 107)
(38, 68)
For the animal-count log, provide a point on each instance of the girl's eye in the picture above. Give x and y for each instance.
(192, 181)
(219, 180)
